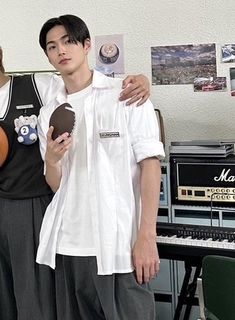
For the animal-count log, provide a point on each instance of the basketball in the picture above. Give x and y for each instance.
(4, 146)
(62, 119)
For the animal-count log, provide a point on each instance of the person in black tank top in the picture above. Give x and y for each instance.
(26, 288)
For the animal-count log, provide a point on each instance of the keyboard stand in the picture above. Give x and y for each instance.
(188, 290)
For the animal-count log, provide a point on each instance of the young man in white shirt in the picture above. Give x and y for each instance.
(26, 288)
(101, 240)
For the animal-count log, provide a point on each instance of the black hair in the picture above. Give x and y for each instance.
(76, 29)
(1, 64)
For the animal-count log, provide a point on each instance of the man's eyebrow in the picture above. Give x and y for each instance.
(53, 41)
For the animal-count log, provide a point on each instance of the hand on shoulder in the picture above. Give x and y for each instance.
(136, 88)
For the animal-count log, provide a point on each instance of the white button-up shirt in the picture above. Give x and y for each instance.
(118, 138)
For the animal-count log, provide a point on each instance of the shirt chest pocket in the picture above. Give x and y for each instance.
(111, 143)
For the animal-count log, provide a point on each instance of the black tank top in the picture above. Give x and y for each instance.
(22, 174)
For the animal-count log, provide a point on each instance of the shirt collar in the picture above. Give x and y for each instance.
(99, 81)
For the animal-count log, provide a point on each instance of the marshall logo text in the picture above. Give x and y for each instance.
(224, 176)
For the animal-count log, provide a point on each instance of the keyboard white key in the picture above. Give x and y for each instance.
(188, 241)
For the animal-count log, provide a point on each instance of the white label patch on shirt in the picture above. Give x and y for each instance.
(25, 106)
(109, 134)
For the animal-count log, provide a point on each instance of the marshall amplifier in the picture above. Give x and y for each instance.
(203, 181)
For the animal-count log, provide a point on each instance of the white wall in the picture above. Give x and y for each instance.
(144, 23)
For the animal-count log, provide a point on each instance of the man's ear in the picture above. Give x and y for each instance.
(87, 45)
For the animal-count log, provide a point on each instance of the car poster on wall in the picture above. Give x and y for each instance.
(210, 84)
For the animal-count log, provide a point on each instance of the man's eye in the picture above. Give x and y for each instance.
(51, 48)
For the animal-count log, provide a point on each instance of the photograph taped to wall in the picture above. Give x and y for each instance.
(232, 81)
(210, 84)
(228, 53)
(109, 53)
(181, 64)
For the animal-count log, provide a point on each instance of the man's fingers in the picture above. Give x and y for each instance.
(132, 100)
(63, 137)
(60, 144)
(49, 133)
(142, 100)
(144, 273)
(127, 81)
(139, 275)
(129, 91)
(136, 88)
(157, 266)
(152, 271)
(138, 95)
(147, 274)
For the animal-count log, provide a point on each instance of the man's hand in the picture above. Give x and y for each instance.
(145, 258)
(54, 153)
(136, 88)
(56, 148)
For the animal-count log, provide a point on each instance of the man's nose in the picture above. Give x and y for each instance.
(61, 49)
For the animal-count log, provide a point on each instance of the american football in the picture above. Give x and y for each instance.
(4, 146)
(62, 119)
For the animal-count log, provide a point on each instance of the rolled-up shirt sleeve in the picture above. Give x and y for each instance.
(144, 132)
